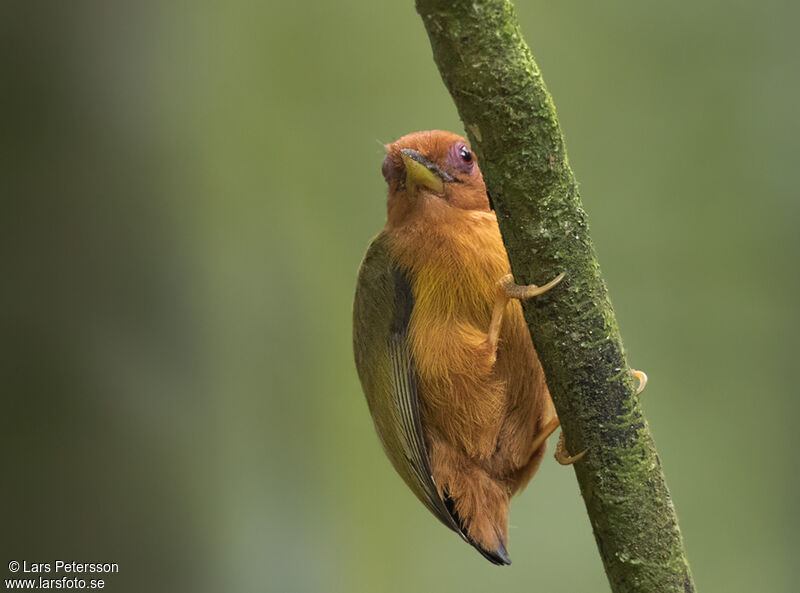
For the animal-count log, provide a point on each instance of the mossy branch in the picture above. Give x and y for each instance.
(511, 121)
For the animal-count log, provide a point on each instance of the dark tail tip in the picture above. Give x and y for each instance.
(502, 553)
(498, 557)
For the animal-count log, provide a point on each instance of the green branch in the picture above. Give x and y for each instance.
(511, 121)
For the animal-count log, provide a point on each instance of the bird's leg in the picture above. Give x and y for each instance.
(500, 302)
(562, 455)
(507, 290)
(548, 429)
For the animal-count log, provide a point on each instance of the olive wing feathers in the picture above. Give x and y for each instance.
(381, 313)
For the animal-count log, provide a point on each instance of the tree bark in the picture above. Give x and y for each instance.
(511, 122)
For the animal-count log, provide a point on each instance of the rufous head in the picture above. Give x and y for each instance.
(431, 171)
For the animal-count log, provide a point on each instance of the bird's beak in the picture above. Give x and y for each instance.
(419, 173)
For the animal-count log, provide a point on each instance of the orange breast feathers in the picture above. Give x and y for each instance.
(454, 259)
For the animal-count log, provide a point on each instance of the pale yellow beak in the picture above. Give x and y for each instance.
(418, 175)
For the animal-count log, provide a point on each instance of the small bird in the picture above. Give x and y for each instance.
(453, 383)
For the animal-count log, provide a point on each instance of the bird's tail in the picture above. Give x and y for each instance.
(498, 556)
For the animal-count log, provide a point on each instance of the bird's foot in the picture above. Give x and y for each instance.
(508, 290)
(563, 456)
(517, 291)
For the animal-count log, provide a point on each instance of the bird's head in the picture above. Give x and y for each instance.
(432, 170)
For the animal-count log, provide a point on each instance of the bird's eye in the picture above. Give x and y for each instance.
(460, 158)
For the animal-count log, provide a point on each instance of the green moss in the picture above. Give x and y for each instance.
(512, 125)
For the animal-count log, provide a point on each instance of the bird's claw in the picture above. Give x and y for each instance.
(641, 378)
(563, 456)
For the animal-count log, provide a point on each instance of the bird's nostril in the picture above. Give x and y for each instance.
(414, 155)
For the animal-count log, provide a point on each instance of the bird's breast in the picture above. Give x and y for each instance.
(454, 266)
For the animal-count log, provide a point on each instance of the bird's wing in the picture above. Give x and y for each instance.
(381, 314)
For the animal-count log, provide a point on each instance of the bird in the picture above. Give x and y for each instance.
(453, 383)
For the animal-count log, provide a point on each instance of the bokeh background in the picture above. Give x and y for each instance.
(187, 190)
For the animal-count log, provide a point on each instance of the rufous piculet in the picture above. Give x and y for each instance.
(453, 383)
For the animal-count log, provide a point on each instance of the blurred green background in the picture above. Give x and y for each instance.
(187, 190)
